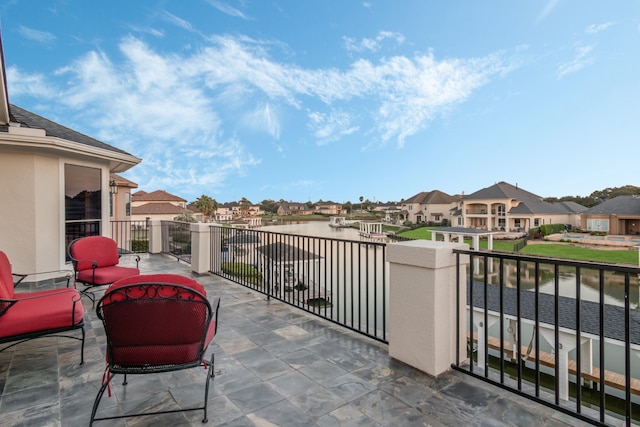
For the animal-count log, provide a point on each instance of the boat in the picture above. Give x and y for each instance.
(338, 222)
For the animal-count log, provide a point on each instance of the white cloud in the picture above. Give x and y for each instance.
(34, 85)
(263, 119)
(581, 59)
(548, 8)
(174, 110)
(596, 28)
(36, 35)
(372, 45)
(330, 127)
(228, 10)
(177, 21)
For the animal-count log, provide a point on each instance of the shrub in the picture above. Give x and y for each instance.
(140, 246)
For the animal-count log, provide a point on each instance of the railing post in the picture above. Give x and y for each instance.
(155, 236)
(200, 248)
(422, 304)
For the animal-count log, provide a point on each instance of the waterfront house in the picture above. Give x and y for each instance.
(507, 207)
(329, 208)
(294, 208)
(620, 215)
(428, 206)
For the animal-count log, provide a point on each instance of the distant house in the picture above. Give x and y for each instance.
(158, 205)
(620, 215)
(293, 208)
(505, 207)
(432, 206)
(329, 208)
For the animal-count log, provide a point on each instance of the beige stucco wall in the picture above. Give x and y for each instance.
(32, 210)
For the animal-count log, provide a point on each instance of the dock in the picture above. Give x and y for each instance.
(611, 379)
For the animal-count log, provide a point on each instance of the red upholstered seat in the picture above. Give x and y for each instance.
(30, 315)
(95, 262)
(156, 323)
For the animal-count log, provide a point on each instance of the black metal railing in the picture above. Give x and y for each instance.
(131, 236)
(556, 331)
(340, 280)
(176, 239)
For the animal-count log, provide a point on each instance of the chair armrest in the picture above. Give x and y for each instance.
(68, 274)
(130, 254)
(5, 304)
(215, 307)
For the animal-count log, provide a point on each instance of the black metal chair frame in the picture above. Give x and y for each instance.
(59, 332)
(154, 369)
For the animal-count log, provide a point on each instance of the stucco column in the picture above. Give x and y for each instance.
(422, 304)
(200, 248)
(155, 236)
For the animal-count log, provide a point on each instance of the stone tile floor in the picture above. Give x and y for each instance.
(275, 366)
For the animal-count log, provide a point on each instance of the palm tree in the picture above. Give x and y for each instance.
(361, 199)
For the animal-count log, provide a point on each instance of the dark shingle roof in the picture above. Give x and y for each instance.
(432, 197)
(621, 205)
(34, 121)
(614, 322)
(529, 203)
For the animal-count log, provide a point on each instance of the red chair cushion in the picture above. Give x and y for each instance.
(106, 275)
(6, 279)
(41, 311)
(101, 249)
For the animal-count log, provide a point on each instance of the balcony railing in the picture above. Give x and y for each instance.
(340, 280)
(131, 236)
(563, 333)
(176, 240)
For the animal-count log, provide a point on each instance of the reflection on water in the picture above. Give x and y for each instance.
(589, 281)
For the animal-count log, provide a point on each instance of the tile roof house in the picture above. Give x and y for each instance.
(55, 185)
(159, 205)
(505, 207)
(428, 206)
(620, 215)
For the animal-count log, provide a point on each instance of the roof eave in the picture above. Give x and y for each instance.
(118, 161)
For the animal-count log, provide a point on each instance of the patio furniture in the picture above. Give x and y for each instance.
(29, 315)
(95, 262)
(156, 323)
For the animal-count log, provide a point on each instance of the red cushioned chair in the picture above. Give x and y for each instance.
(95, 262)
(156, 323)
(29, 315)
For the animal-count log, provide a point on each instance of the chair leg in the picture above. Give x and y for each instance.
(82, 348)
(98, 398)
(210, 375)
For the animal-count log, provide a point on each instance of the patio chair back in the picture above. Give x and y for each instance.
(100, 250)
(155, 323)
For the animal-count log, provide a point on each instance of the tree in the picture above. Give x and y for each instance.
(270, 206)
(361, 198)
(185, 216)
(245, 206)
(207, 206)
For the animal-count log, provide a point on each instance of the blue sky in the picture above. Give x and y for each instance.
(336, 99)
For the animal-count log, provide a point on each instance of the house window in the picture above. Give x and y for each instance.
(460, 221)
(127, 203)
(536, 222)
(82, 201)
(597, 224)
(501, 222)
(516, 223)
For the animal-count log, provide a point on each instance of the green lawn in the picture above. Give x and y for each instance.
(560, 250)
